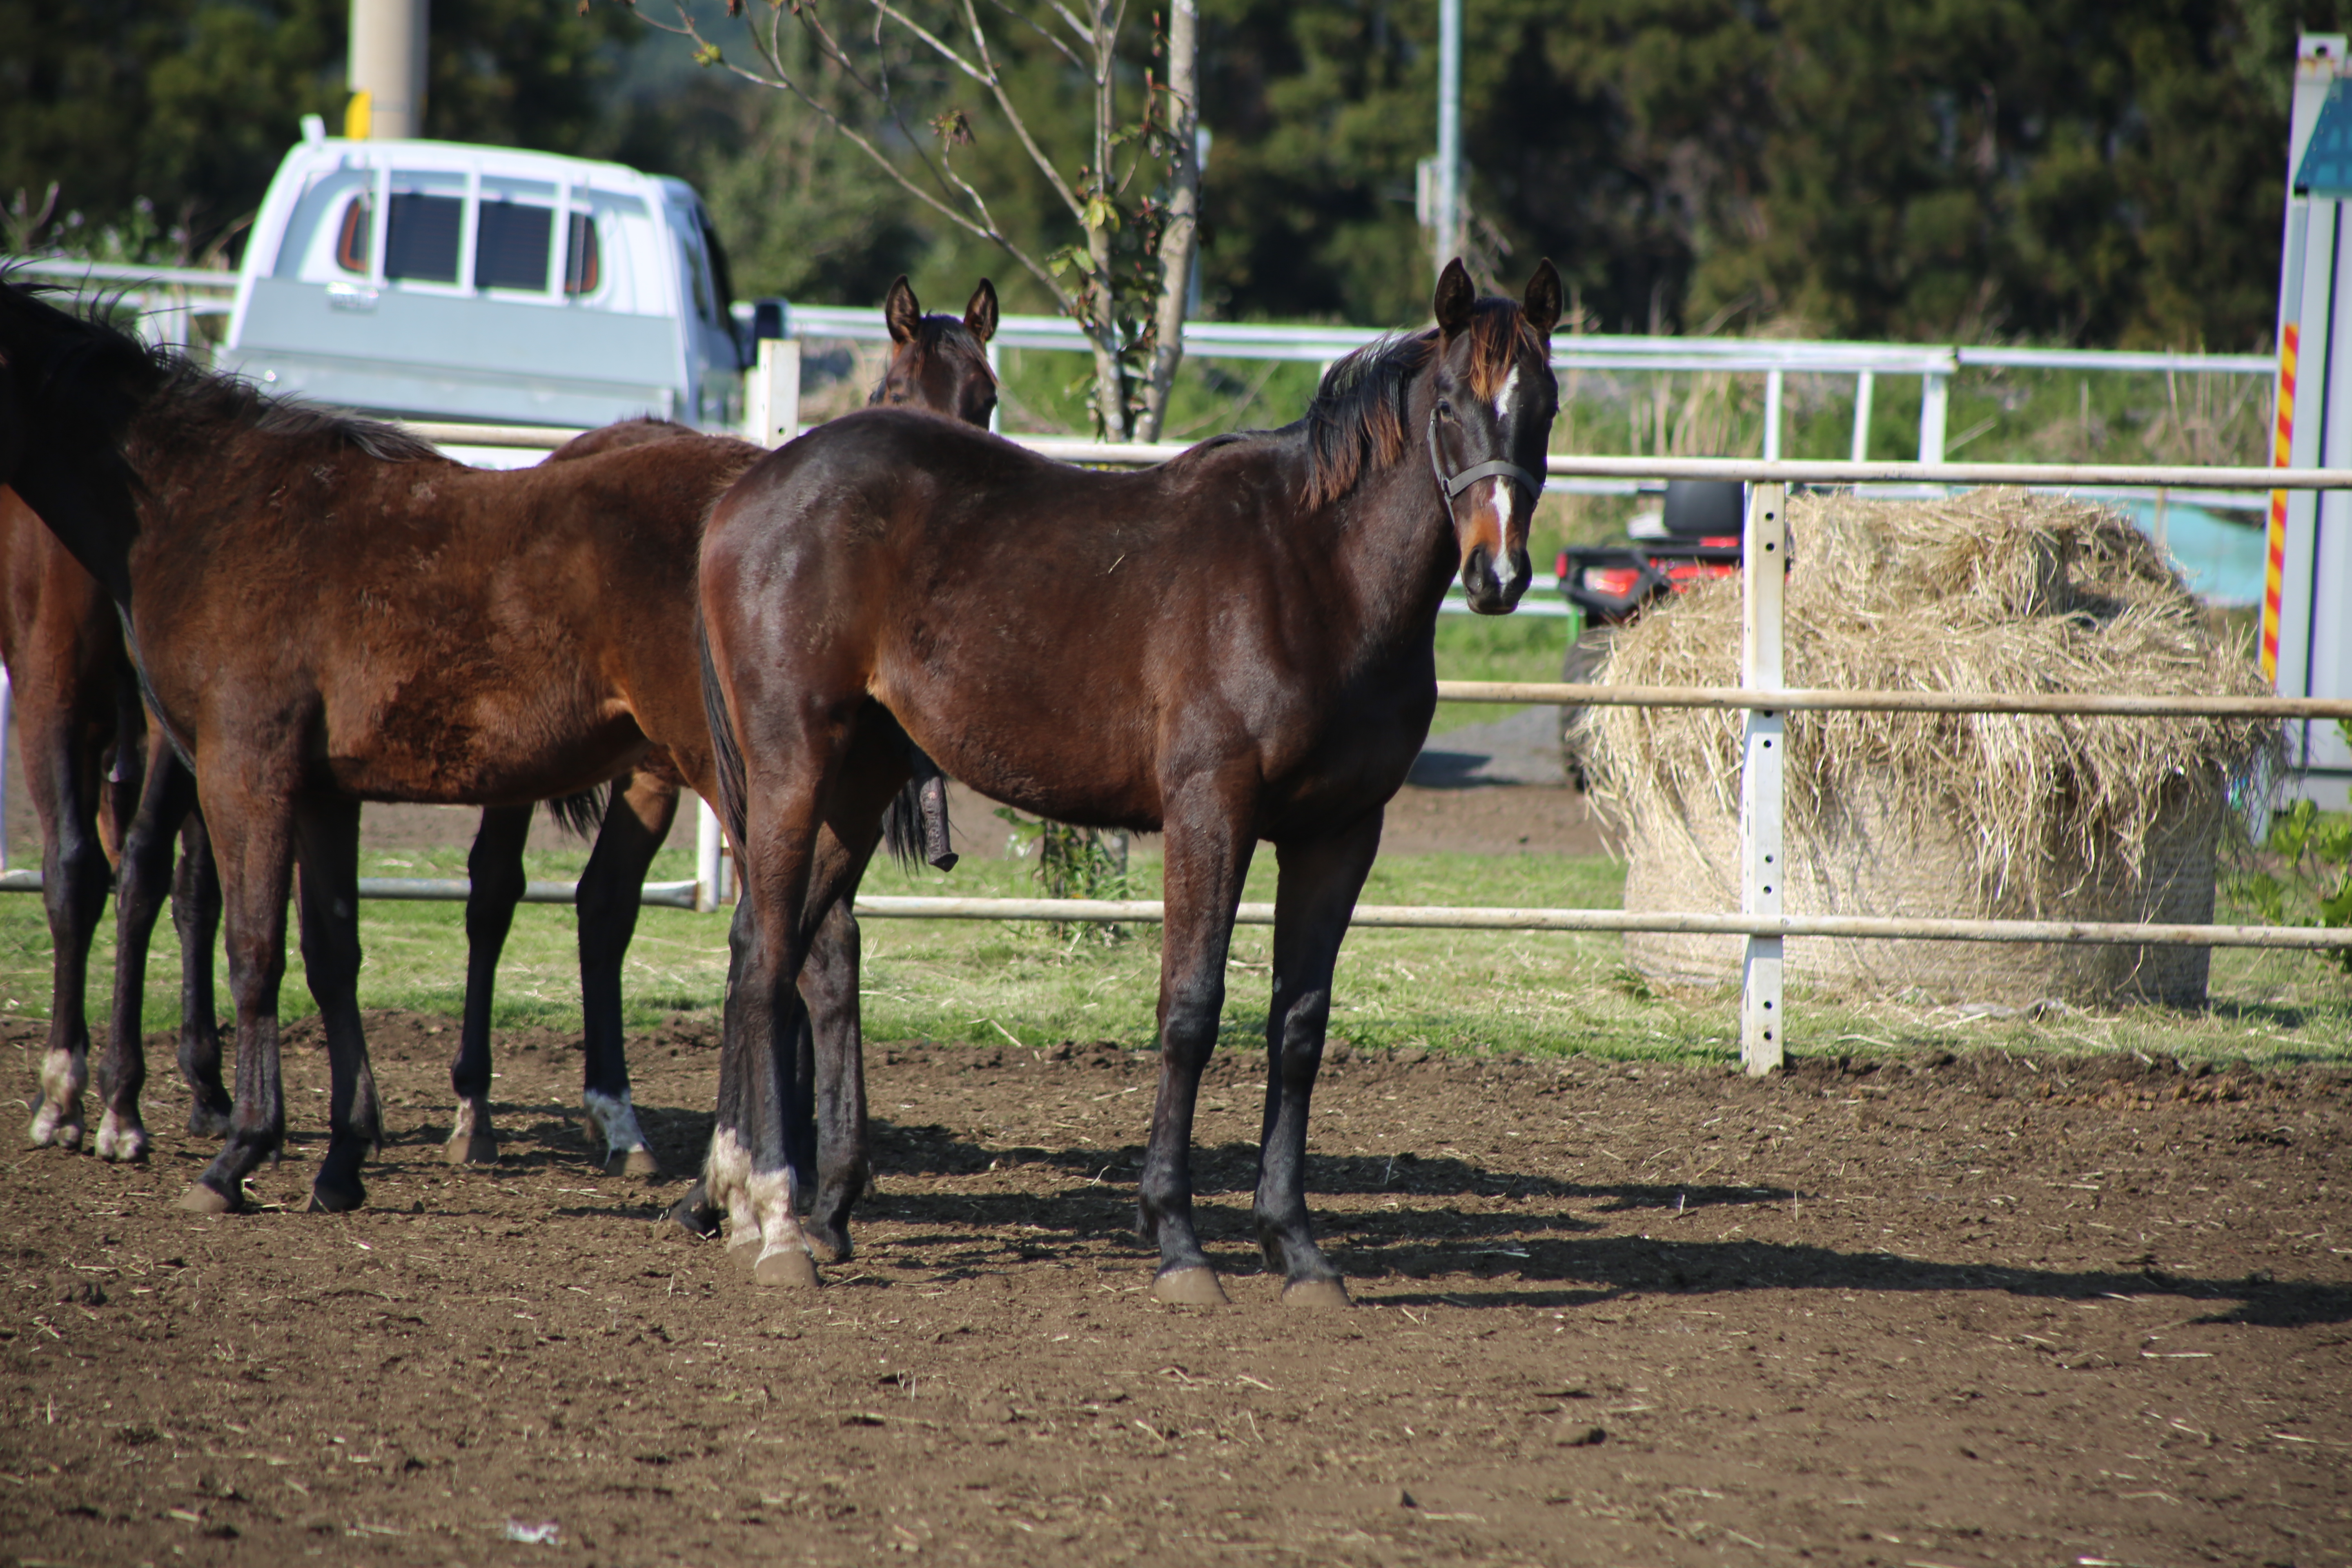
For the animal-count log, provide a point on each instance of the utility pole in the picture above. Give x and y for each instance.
(1448, 216)
(387, 70)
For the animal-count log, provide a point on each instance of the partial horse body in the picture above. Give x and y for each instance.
(1234, 646)
(937, 363)
(435, 633)
(95, 773)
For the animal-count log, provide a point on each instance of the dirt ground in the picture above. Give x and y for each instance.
(1983, 1311)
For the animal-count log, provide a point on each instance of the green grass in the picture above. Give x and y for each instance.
(1495, 648)
(987, 981)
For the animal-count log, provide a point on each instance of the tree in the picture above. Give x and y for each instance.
(188, 105)
(1123, 270)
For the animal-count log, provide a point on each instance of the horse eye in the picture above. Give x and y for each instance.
(1444, 409)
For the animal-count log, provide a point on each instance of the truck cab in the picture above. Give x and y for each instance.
(440, 280)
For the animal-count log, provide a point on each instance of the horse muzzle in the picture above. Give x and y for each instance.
(1488, 591)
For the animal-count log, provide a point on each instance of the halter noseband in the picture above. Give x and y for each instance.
(1495, 467)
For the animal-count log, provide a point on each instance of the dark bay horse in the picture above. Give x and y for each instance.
(433, 633)
(936, 363)
(82, 736)
(1234, 646)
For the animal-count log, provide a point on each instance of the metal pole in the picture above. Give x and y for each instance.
(1764, 578)
(1449, 134)
(1865, 384)
(387, 70)
(1935, 398)
(1774, 390)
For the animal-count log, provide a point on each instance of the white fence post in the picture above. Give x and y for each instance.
(1762, 1021)
(772, 398)
(1774, 389)
(1934, 400)
(1865, 384)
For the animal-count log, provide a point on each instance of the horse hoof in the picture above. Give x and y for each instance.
(50, 1130)
(1316, 1293)
(1193, 1286)
(122, 1145)
(826, 1245)
(476, 1149)
(206, 1122)
(326, 1199)
(786, 1268)
(205, 1198)
(637, 1163)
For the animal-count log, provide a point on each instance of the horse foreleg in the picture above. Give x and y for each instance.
(830, 1053)
(1319, 881)
(74, 875)
(196, 916)
(494, 885)
(143, 881)
(328, 841)
(1208, 855)
(612, 891)
(251, 828)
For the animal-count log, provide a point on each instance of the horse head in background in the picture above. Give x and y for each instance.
(939, 363)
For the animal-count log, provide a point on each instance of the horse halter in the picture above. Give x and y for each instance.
(1493, 467)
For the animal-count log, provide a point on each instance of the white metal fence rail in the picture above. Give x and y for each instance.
(1761, 696)
(173, 296)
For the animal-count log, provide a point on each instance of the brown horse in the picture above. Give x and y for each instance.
(438, 633)
(1234, 646)
(936, 363)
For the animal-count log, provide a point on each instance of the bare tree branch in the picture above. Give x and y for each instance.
(1180, 239)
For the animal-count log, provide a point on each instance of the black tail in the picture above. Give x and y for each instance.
(726, 752)
(902, 826)
(582, 815)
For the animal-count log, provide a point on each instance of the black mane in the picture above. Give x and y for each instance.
(1358, 414)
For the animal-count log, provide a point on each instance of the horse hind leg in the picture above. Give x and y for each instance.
(329, 838)
(73, 890)
(818, 821)
(143, 881)
(196, 916)
(496, 880)
(830, 1057)
(612, 892)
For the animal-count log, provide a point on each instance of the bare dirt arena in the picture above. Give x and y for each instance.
(1982, 1311)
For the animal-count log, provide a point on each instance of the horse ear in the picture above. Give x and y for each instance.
(901, 310)
(1541, 306)
(1455, 296)
(980, 316)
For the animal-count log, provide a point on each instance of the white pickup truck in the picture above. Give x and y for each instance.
(439, 280)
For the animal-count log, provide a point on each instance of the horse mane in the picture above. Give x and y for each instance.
(94, 351)
(1358, 416)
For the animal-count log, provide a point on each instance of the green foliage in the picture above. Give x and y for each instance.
(2311, 884)
(188, 105)
(1071, 863)
(2070, 169)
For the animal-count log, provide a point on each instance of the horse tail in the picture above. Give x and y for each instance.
(902, 826)
(582, 815)
(726, 752)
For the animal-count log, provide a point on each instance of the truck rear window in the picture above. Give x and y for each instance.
(421, 240)
(510, 247)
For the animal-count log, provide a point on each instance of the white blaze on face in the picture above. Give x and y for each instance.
(1503, 399)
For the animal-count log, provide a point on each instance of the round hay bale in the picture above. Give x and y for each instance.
(1987, 816)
